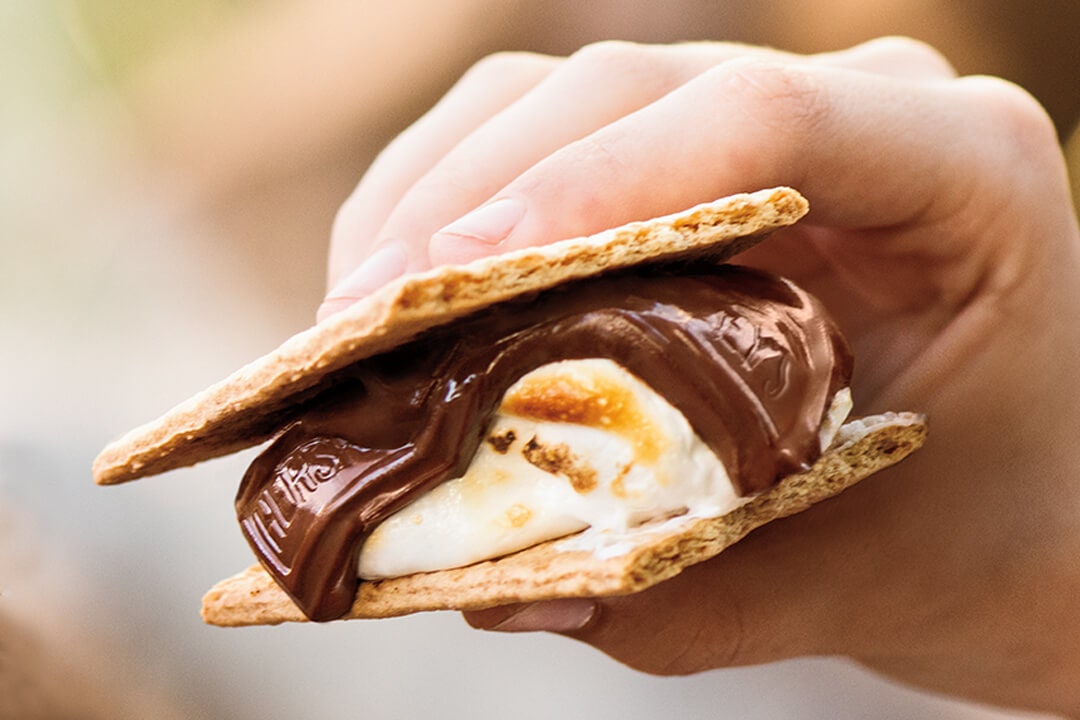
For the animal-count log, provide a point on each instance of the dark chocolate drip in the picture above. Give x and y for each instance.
(751, 360)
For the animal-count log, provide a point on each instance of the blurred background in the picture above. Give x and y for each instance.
(169, 173)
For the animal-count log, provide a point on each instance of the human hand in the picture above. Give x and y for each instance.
(942, 238)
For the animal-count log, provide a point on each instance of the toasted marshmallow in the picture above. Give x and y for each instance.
(575, 444)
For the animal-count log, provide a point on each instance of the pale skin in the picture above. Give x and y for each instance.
(943, 239)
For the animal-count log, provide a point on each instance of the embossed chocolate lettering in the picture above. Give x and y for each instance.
(293, 484)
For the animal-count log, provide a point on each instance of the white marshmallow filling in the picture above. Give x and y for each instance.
(633, 459)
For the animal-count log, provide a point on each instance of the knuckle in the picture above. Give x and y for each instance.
(504, 65)
(704, 649)
(1024, 125)
(777, 95)
(604, 151)
(642, 67)
(609, 55)
(908, 51)
(349, 219)
(391, 156)
(1012, 104)
(712, 640)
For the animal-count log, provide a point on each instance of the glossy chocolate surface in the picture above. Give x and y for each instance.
(751, 360)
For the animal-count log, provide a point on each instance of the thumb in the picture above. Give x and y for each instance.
(770, 597)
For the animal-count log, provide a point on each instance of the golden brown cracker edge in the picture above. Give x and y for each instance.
(253, 403)
(556, 569)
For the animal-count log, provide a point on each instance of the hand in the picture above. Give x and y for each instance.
(942, 237)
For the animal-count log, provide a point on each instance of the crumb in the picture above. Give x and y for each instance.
(559, 460)
(502, 441)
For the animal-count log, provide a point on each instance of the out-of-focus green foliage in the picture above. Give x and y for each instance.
(117, 37)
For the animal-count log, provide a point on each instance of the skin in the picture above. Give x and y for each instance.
(942, 237)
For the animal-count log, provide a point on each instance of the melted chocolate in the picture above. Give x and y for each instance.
(751, 360)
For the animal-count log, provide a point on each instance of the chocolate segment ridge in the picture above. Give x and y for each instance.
(751, 360)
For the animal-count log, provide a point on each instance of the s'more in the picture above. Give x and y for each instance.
(586, 418)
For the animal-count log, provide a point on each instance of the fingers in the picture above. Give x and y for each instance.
(898, 57)
(457, 157)
(833, 133)
(725, 103)
(597, 85)
(491, 85)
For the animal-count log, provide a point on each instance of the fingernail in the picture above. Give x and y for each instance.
(552, 616)
(489, 224)
(385, 264)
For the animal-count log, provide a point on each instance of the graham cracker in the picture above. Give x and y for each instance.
(572, 567)
(252, 404)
